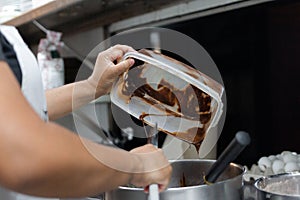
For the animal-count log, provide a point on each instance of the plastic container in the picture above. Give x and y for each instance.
(180, 99)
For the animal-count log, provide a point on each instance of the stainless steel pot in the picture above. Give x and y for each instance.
(228, 185)
(279, 187)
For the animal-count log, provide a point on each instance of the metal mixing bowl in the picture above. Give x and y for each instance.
(228, 186)
(278, 187)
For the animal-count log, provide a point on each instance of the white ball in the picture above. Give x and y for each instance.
(291, 167)
(264, 163)
(279, 157)
(255, 169)
(290, 157)
(285, 152)
(277, 166)
(272, 157)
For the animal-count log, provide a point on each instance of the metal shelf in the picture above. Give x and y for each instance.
(74, 16)
(50, 7)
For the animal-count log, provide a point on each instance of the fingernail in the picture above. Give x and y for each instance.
(131, 61)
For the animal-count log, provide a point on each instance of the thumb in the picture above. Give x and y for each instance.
(124, 65)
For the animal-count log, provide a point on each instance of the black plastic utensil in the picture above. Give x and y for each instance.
(236, 146)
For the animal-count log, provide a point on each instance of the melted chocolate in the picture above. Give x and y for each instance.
(182, 182)
(190, 102)
(143, 115)
(193, 135)
(197, 146)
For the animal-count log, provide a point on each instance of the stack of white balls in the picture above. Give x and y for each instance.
(276, 164)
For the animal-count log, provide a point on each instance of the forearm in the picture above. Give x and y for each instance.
(58, 163)
(65, 99)
(44, 159)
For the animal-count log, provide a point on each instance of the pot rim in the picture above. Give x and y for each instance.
(242, 168)
(275, 176)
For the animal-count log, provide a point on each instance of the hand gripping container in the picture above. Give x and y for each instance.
(158, 89)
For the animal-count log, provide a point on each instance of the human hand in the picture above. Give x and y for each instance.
(106, 71)
(156, 168)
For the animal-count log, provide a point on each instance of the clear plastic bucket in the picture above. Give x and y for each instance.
(158, 89)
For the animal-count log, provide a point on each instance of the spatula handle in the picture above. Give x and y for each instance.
(240, 141)
(153, 192)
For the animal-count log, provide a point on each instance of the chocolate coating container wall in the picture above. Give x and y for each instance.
(228, 186)
(181, 100)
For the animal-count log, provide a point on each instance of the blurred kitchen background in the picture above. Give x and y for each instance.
(254, 43)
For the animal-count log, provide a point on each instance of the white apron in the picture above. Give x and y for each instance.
(32, 89)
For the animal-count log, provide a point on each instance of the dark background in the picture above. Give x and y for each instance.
(257, 50)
